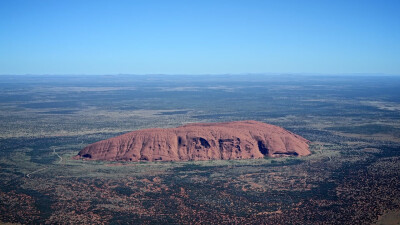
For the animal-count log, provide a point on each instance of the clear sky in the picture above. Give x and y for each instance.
(199, 37)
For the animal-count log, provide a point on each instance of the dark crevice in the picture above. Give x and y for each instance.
(286, 153)
(263, 149)
(204, 143)
(87, 156)
(179, 141)
(201, 143)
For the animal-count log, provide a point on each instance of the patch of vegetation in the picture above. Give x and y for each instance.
(340, 182)
(367, 129)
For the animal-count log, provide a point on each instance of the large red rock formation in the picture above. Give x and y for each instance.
(200, 141)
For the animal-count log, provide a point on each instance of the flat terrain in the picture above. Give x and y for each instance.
(352, 177)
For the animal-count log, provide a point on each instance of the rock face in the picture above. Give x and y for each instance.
(199, 141)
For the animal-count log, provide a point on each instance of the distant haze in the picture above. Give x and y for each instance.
(199, 37)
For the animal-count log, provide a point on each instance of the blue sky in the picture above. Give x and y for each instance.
(199, 37)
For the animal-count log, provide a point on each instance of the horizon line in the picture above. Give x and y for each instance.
(207, 74)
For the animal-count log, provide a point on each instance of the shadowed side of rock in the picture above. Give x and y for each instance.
(200, 141)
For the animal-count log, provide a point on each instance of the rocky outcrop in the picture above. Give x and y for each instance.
(200, 141)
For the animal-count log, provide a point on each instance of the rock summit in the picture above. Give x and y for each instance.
(199, 141)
